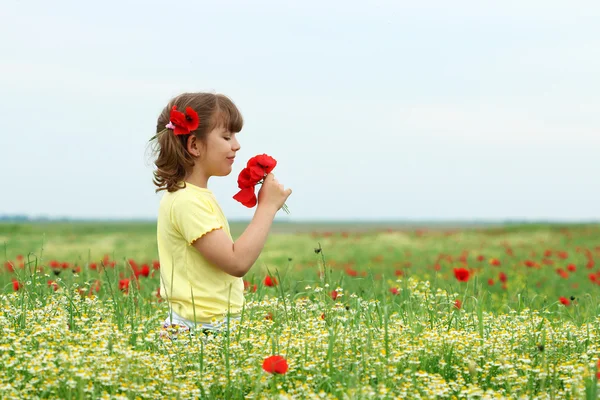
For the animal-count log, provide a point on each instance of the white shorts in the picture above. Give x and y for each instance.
(174, 319)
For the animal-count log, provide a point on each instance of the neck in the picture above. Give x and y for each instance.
(198, 178)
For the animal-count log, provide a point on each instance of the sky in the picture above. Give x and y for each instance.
(385, 110)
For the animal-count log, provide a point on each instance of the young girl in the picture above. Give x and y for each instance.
(201, 267)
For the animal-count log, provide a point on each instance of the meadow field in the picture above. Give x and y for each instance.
(354, 311)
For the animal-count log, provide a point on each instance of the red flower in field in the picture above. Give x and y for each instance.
(394, 291)
(96, 286)
(16, 284)
(572, 267)
(548, 253)
(155, 264)
(20, 257)
(563, 274)
(457, 304)
(502, 277)
(183, 124)
(530, 263)
(334, 294)
(9, 266)
(590, 264)
(564, 301)
(563, 254)
(480, 258)
(124, 285)
(351, 272)
(495, 262)
(93, 266)
(269, 316)
(275, 365)
(491, 282)
(398, 272)
(53, 285)
(323, 316)
(144, 270)
(270, 281)
(462, 274)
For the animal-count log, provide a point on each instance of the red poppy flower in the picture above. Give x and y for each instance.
(270, 281)
(275, 365)
(256, 169)
(491, 282)
(246, 196)
(16, 284)
(334, 294)
(564, 301)
(495, 262)
(53, 285)
(9, 266)
(124, 285)
(572, 267)
(502, 277)
(394, 291)
(261, 165)
(462, 274)
(563, 274)
(457, 304)
(245, 179)
(184, 123)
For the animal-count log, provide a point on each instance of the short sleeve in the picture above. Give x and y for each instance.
(194, 217)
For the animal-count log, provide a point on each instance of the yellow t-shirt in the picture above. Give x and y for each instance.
(183, 217)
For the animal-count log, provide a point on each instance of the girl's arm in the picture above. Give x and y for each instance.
(237, 258)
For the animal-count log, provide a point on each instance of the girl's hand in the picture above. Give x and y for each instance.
(272, 193)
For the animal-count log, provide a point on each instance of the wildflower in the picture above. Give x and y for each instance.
(563, 274)
(9, 266)
(53, 285)
(572, 267)
(124, 285)
(394, 290)
(16, 284)
(495, 262)
(491, 282)
(334, 294)
(457, 304)
(270, 281)
(564, 301)
(462, 274)
(275, 365)
(502, 277)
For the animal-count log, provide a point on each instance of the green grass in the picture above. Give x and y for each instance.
(511, 340)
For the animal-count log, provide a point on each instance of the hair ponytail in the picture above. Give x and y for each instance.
(173, 161)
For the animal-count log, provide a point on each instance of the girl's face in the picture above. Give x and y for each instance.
(216, 158)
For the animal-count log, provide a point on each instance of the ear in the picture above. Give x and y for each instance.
(194, 146)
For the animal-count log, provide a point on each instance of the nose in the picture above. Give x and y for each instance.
(235, 144)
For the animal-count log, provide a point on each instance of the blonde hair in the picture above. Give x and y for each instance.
(173, 161)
